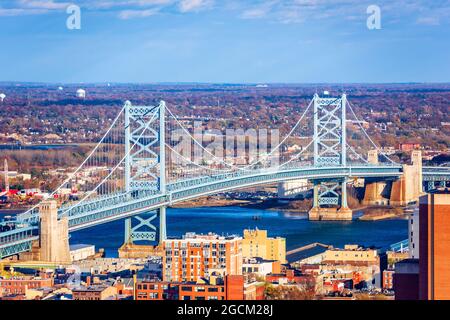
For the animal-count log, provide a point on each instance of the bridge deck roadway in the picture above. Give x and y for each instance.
(125, 205)
(101, 210)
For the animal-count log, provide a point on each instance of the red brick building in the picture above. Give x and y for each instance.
(408, 146)
(229, 288)
(199, 256)
(17, 286)
(95, 292)
(290, 276)
(388, 279)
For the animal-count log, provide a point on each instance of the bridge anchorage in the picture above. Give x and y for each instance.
(137, 170)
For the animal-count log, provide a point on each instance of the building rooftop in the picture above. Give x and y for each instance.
(307, 253)
(80, 246)
(94, 288)
(407, 266)
(256, 260)
(209, 236)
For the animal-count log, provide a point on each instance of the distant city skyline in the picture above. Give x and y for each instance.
(207, 41)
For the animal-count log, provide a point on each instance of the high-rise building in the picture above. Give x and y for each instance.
(257, 244)
(200, 256)
(434, 246)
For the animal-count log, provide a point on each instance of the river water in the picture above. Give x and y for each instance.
(297, 230)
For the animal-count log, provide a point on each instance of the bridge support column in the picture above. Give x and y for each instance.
(54, 234)
(327, 204)
(430, 186)
(373, 193)
(372, 157)
(409, 187)
(145, 232)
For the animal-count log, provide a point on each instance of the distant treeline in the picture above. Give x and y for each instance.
(34, 161)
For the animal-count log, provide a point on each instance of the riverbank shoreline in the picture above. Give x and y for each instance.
(300, 208)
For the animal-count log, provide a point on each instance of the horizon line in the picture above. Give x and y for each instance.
(222, 83)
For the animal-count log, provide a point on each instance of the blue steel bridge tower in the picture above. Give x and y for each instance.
(145, 167)
(330, 150)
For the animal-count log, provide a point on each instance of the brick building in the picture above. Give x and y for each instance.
(199, 256)
(95, 292)
(18, 285)
(388, 279)
(231, 287)
(290, 276)
(434, 246)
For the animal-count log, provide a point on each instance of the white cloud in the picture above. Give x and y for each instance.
(429, 21)
(259, 11)
(20, 12)
(131, 14)
(194, 5)
(422, 12)
(44, 4)
(109, 4)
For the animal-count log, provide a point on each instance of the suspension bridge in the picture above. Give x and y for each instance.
(149, 159)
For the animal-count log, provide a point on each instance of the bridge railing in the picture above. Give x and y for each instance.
(200, 185)
(18, 234)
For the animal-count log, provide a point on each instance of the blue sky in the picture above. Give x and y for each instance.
(294, 41)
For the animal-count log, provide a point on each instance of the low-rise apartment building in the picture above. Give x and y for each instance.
(200, 256)
(256, 243)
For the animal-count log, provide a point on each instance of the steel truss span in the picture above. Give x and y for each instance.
(136, 168)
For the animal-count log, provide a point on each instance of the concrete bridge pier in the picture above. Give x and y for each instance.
(375, 191)
(53, 244)
(54, 234)
(409, 187)
(325, 194)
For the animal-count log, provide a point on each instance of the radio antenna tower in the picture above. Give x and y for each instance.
(6, 176)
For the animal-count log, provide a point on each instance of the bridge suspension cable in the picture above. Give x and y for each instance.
(367, 135)
(297, 155)
(114, 169)
(85, 161)
(198, 143)
(246, 167)
(349, 147)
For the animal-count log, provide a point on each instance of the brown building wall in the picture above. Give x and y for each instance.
(434, 247)
(234, 287)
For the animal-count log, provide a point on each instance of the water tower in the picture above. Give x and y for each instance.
(81, 94)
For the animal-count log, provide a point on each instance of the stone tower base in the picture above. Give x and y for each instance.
(330, 214)
(134, 251)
